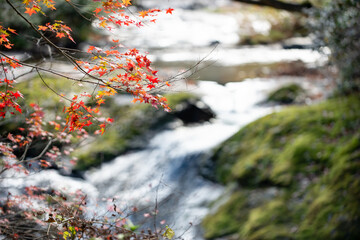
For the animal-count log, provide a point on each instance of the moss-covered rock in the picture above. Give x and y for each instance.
(228, 218)
(288, 94)
(132, 128)
(311, 154)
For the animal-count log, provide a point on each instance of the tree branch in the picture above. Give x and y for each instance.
(67, 56)
(51, 71)
(291, 7)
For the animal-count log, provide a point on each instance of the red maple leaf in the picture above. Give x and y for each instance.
(18, 108)
(97, 10)
(17, 94)
(169, 10)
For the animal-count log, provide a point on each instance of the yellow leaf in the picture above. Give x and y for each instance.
(103, 24)
(169, 233)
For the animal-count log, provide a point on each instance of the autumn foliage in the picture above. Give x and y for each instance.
(110, 71)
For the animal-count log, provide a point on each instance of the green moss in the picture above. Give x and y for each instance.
(102, 149)
(299, 155)
(303, 135)
(228, 217)
(287, 94)
(333, 207)
(252, 170)
(269, 221)
(37, 91)
(312, 155)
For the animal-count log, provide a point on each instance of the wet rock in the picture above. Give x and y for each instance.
(191, 111)
(76, 174)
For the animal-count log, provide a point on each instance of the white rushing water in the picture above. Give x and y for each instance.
(182, 29)
(167, 171)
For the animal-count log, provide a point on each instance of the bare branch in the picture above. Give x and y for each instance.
(25, 151)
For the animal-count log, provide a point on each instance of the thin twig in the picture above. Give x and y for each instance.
(25, 151)
(195, 65)
(48, 230)
(51, 89)
(50, 71)
(78, 11)
(156, 205)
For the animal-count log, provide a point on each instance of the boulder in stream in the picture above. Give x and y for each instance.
(191, 111)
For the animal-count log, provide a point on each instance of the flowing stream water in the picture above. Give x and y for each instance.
(167, 171)
(166, 174)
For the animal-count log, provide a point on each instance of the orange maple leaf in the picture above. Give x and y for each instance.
(12, 30)
(60, 34)
(30, 11)
(143, 13)
(9, 45)
(42, 28)
(126, 2)
(169, 10)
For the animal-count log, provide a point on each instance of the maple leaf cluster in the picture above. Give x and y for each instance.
(9, 97)
(4, 37)
(35, 6)
(113, 70)
(59, 28)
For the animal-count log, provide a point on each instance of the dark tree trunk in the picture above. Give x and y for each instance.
(291, 7)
